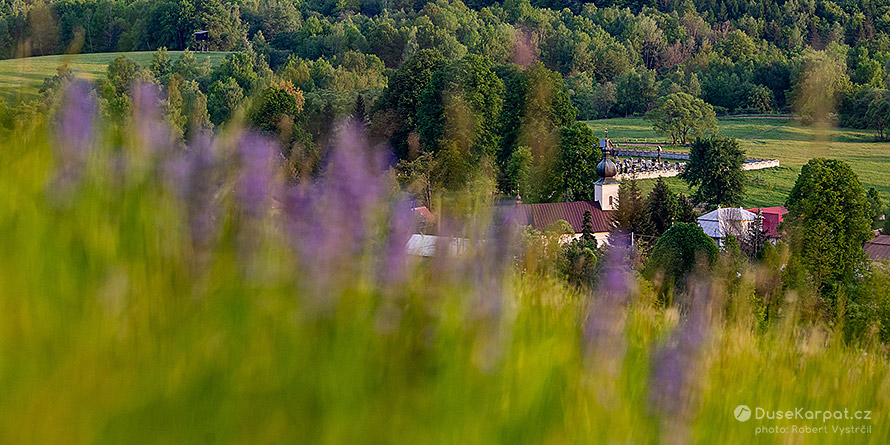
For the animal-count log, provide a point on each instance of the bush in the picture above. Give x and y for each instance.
(578, 262)
(677, 252)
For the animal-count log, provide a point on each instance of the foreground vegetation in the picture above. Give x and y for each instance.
(784, 139)
(154, 292)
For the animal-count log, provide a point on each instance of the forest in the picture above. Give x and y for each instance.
(539, 66)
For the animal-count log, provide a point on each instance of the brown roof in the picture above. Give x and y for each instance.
(539, 216)
(878, 248)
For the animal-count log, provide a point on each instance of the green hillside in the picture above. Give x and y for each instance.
(784, 139)
(22, 78)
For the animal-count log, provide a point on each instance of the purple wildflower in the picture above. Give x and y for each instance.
(153, 132)
(604, 326)
(353, 185)
(75, 132)
(328, 221)
(676, 366)
(395, 258)
(256, 184)
(494, 257)
(200, 188)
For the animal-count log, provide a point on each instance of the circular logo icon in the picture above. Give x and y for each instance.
(742, 413)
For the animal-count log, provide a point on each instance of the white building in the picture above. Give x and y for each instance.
(726, 221)
(430, 245)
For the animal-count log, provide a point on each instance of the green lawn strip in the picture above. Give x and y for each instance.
(22, 78)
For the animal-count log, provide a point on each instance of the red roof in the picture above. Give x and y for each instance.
(539, 216)
(772, 217)
(424, 213)
(878, 248)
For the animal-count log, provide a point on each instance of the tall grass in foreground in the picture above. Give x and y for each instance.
(156, 293)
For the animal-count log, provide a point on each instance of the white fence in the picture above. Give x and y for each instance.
(641, 172)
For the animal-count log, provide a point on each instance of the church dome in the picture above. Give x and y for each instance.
(606, 168)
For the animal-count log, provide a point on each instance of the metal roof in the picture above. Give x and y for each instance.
(878, 248)
(726, 220)
(427, 245)
(539, 216)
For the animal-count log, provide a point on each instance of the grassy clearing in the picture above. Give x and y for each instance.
(22, 78)
(787, 140)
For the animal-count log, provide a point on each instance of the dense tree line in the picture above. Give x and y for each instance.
(481, 87)
(733, 54)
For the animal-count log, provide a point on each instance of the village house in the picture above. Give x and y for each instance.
(772, 219)
(725, 221)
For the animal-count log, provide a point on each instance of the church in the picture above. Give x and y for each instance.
(601, 209)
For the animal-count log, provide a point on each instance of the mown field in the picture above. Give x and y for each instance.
(21, 78)
(784, 139)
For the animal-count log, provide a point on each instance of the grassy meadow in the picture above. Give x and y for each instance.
(155, 294)
(22, 78)
(786, 140)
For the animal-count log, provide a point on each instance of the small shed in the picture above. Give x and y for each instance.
(430, 245)
(772, 219)
(202, 37)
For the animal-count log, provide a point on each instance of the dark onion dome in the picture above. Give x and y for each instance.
(606, 168)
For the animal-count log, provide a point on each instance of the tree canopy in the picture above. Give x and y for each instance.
(678, 114)
(829, 219)
(715, 169)
(678, 251)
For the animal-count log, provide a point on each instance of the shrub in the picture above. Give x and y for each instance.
(677, 252)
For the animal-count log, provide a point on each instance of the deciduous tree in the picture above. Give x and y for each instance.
(829, 219)
(677, 252)
(715, 168)
(878, 114)
(679, 114)
(578, 157)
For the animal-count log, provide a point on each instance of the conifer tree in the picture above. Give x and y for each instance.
(587, 226)
(685, 210)
(662, 207)
(630, 214)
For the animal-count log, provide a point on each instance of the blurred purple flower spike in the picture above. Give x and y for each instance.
(199, 189)
(497, 254)
(401, 226)
(604, 327)
(353, 184)
(75, 122)
(304, 230)
(328, 220)
(75, 132)
(153, 132)
(256, 185)
(676, 366)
